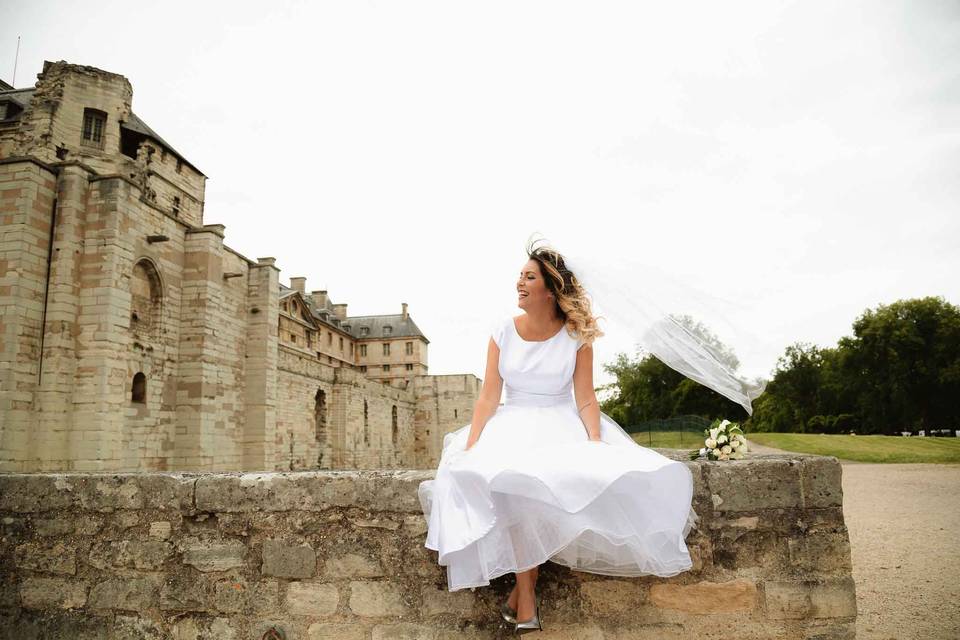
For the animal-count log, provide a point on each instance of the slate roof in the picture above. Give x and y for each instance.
(134, 123)
(376, 324)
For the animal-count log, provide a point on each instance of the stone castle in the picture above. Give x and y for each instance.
(132, 338)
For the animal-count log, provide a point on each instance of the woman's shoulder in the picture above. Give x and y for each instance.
(499, 329)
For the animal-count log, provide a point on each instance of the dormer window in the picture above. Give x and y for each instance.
(94, 127)
(364, 331)
(387, 330)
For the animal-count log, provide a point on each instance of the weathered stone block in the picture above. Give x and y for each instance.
(373, 490)
(810, 599)
(335, 631)
(284, 559)
(183, 592)
(353, 565)
(612, 596)
(705, 596)
(375, 598)
(82, 525)
(239, 596)
(145, 554)
(160, 530)
(213, 556)
(403, 631)
(56, 593)
(57, 558)
(820, 478)
(821, 552)
(751, 484)
(131, 594)
(438, 601)
(312, 598)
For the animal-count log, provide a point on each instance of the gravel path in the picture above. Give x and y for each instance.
(903, 521)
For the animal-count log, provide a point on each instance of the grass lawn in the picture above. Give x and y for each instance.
(865, 448)
(669, 439)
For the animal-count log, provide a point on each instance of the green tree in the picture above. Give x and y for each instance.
(903, 365)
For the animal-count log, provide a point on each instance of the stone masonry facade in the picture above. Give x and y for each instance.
(318, 555)
(132, 338)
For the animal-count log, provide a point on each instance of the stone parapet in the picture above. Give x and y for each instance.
(339, 554)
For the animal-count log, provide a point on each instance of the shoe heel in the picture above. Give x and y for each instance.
(533, 624)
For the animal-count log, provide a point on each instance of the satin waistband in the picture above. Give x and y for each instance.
(518, 398)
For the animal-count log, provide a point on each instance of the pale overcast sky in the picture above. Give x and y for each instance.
(799, 158)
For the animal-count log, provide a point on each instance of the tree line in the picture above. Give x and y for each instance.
(899, 371)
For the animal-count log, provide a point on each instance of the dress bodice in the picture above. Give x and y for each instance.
(535, 372)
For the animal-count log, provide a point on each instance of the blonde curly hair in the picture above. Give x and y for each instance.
(572, 301)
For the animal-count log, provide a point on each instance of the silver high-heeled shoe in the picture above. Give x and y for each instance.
(507, 613)
(533, 624)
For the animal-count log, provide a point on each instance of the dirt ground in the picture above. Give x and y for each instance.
(903, 521)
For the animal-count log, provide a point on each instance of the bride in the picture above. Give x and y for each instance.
(547, 475)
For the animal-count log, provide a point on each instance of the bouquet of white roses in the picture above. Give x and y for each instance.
(724, 441)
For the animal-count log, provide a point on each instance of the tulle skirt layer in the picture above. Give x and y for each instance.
(535, 488)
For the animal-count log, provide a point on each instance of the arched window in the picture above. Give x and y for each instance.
(146, 295)
(139, 391)
(320, 416)
(366, 424)
(395, 429)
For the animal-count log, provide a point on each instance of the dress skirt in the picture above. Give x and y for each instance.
(535, 488)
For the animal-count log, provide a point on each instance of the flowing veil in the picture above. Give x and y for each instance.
(687, 329)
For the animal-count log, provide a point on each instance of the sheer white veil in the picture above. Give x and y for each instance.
(687, 329)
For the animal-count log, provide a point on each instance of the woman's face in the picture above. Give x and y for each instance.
(531, 287)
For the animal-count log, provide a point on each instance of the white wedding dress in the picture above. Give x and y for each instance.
(535, 488)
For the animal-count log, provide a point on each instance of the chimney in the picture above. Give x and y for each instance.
(298, 284)
(340, 310)
(319, 298)
(404, 314)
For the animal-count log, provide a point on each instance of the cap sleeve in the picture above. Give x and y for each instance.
(496, 332)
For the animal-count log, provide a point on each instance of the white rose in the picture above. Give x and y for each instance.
(726, 449)
(722, 438)
(710, 443)
(734, 444)
(715, 452)
(724, 423)
(714, 433)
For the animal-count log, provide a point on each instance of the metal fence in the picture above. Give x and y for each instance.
(678, 432)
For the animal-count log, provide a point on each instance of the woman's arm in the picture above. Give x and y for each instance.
(584, 393)
(486, 405)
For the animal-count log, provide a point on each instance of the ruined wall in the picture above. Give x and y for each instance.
(444, 404)
(337, 434)
(339, 554)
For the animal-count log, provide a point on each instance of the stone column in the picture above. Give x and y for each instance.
(260, 367)
(27, 190)
(55, 397)
(202, 288)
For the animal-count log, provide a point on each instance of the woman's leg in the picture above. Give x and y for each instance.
(521, 598)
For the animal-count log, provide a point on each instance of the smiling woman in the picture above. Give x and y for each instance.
(547, 475)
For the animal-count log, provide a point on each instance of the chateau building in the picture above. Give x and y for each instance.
(132, 338)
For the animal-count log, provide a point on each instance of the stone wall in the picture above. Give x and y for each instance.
(339, 554)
